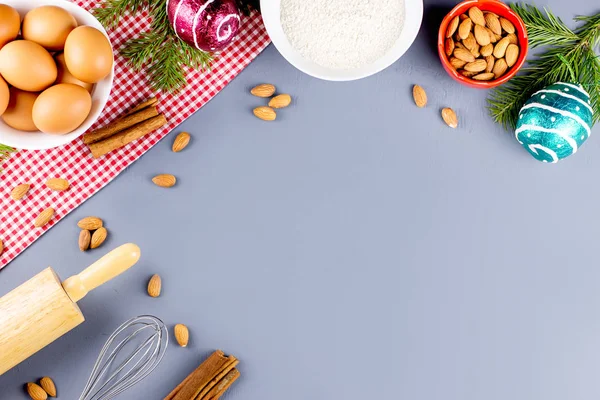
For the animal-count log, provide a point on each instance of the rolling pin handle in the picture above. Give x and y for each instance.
(111, 265)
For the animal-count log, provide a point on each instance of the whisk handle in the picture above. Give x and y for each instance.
(111, 265)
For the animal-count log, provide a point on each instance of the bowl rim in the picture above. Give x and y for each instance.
(102, 89)
(413, 17)
(523, 44)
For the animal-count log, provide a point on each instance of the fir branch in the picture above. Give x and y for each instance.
(5, 152)
(111, 11)
(570, 57)
(544, 29)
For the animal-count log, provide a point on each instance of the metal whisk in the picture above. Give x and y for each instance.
(130, 354)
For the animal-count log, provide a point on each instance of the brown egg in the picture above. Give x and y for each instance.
(10, 23)
(4, 95)
(27, 65)
(18, 113)
(48, 26)
(88, 54)
(61, 108)
(64, 76)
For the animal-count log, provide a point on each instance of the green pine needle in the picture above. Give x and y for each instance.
(159, 51)
(5, 152)
(570, 58)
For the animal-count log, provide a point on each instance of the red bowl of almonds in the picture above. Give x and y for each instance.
(482, 43)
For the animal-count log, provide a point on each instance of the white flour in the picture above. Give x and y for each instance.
(342, 34)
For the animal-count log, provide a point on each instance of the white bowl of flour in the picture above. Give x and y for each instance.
(342, 40)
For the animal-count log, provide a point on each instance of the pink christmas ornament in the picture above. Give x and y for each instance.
(208, 25)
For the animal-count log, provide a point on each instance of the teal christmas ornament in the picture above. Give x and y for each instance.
(555, 122)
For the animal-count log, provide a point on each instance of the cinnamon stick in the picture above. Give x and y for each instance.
(202, 394)
(218, 390)
(127, 136)
(142, 105)
(120, 124)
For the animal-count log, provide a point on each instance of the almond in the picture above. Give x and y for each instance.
(181, 142)
(512, 38)
(465, 28)
(182, 335)
(477, 16)
(449, 117)
(280, 101)
(500, 48)
(164, 180)
(492, 22)
(481, 35)
(494, 14)
(486, 76)
(459, 45)
(457, 63)
(449, 46)
(476, 66)
(265, 113)
(487, 50)
(476, 50)
(19, 191)
(48, 385)
(463, 17)
(419, 96)
(84, 239)
(507, 25)
(36, 392)
(452, 26)
(90, 223)
(493, 38)
(464, 55)
(58, 184)
(44, 217)
(470, 42)
(98, 237)
(491, 60)
(500, 68)
(263, 90)
(1, 247)
(468, 74)
(154, 286)
(512, 54)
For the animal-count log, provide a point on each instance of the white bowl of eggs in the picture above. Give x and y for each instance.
(56, 72)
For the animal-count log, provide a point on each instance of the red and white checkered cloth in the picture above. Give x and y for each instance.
(74, 161)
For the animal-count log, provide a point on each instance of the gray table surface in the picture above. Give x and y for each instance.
(356, 248)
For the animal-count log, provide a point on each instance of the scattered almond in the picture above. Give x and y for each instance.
(492, 22)
(1, 247)
(512, 54)
(481, 35)
(452, 27)
(48, 385)
(154, 286)
(265, 113)
(449, 117)
(420, 96)
(182, 335)
(84, 239)
(476, 66)
(464, 55)
(19, 191)
(507, 25)
(465, 28)
(36, 392)
(98, 237)
(164, 180)
(90, 223)
(44, 217)
(500, 48)
(477, 16)
(500, 68)
(181, 142)
(263, 90)
(58, 184)
(486, 76)
(280, 101)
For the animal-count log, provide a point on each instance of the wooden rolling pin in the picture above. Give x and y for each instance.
(43, 309)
